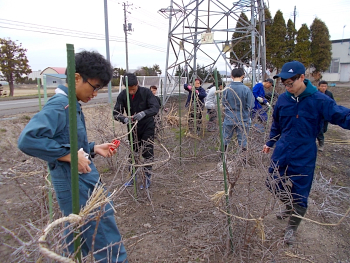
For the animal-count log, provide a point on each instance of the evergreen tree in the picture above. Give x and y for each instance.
(241, 42)
(268, 38)
(321, 47)
(290, 40)
(302, 51)
(277, 48)
(13, 63)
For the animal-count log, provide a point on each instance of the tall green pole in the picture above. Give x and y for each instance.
(72, 98)
(195, 115)
(39, 95)
(180, 119)
(45, 88)
(222, 149)
(130, 135)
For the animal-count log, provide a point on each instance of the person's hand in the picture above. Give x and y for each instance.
(268, 105)
(189, 87)
(139, 116)
(266, 149)
(260, 99)
(126, 120)
(106, 149)
(83, 162)
(197, 91)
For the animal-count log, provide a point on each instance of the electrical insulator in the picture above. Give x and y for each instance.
(129, 27)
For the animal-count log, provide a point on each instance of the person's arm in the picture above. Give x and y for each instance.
(259, 94)
(119, 108)
(275, 132)
(187, 87)
(335, 114)
(201, 93)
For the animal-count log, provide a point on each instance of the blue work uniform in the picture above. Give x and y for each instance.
(296, 123)
(258, 91)
(237, 100)
(46, 136)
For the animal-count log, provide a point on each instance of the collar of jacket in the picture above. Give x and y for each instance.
(310, 89)
(65, 90)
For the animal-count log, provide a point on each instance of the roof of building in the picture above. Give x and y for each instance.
(59, 70)
(341, 40)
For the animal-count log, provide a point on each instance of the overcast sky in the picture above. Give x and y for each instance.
(81, 22)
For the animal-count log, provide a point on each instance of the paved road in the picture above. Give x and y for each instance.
(12, 107)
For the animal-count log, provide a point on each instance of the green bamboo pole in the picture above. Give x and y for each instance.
(45, 88)
(195, 114)
(222, 149)
(180, 119)
(269, 111)
(72, 98)
(39, 95)
(130, 135)
(161, 92)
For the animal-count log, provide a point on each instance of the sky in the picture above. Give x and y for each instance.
(82, 23)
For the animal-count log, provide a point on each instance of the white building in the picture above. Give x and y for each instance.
(34, 75)
(340, 65)
(54, 76)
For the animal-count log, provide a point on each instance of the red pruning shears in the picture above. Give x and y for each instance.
(116, 143)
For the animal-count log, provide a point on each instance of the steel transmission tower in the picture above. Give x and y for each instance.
(201, 33)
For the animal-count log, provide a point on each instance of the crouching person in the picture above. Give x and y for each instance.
(46, 136)
(297, 120)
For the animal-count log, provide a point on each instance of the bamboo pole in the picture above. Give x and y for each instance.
(72, 98)
(130, 136)
(39, 95)
(222, 149)
(180, 119)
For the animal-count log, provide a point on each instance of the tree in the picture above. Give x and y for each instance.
(241, 42)
(268, 37)
(117, 73)
(276, 50)
(302, 51)
(148, 71)
(290, 40)
(13, 63)
(321, 46)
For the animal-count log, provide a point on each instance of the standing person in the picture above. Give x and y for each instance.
(143, 106)
(200, 95)
(259, 94)
(237, 101)
(46, 136)
(210, 104)
(322, 87)
(297, 119)
(157, 118)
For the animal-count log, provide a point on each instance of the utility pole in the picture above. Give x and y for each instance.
(127, 27)
(294, 14)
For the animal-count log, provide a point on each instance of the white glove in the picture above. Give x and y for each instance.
(86, 155)
(268, 104)
(260, 99)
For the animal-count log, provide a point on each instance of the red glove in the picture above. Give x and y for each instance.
(189, 87)
(197, 91)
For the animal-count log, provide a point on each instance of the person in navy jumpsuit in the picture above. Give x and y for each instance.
(46, 136)
(297, 119)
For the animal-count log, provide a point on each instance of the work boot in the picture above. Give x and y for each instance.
(293, 224)
(148, 181)
(321, 146)
(285, 213)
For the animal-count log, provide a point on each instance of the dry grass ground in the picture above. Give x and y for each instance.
(177, 220)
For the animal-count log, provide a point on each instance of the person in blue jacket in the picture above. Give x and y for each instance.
(237, 101)
(297, 119)
(259, 94)
(46, 136)
(322, 87)
(200, 94)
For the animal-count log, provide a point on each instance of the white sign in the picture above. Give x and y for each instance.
(207, 38)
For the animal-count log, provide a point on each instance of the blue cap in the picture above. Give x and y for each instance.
(290, 69)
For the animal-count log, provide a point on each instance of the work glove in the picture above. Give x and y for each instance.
(126, 120)
(268, 105)
(197, 91)
(189, 87)
(139, 116)
(260, 99)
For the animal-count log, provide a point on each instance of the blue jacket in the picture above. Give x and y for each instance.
(258, 91)
(296, 123)
(46, 136)
(237, 100)
(201, 95)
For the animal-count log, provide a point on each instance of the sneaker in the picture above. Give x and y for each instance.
(129, 183)
(148, 184)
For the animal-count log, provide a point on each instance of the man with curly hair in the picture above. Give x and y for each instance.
(46, 136)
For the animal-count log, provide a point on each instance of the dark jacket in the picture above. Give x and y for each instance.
(144, 100)
(201, 95)
(296, 123)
